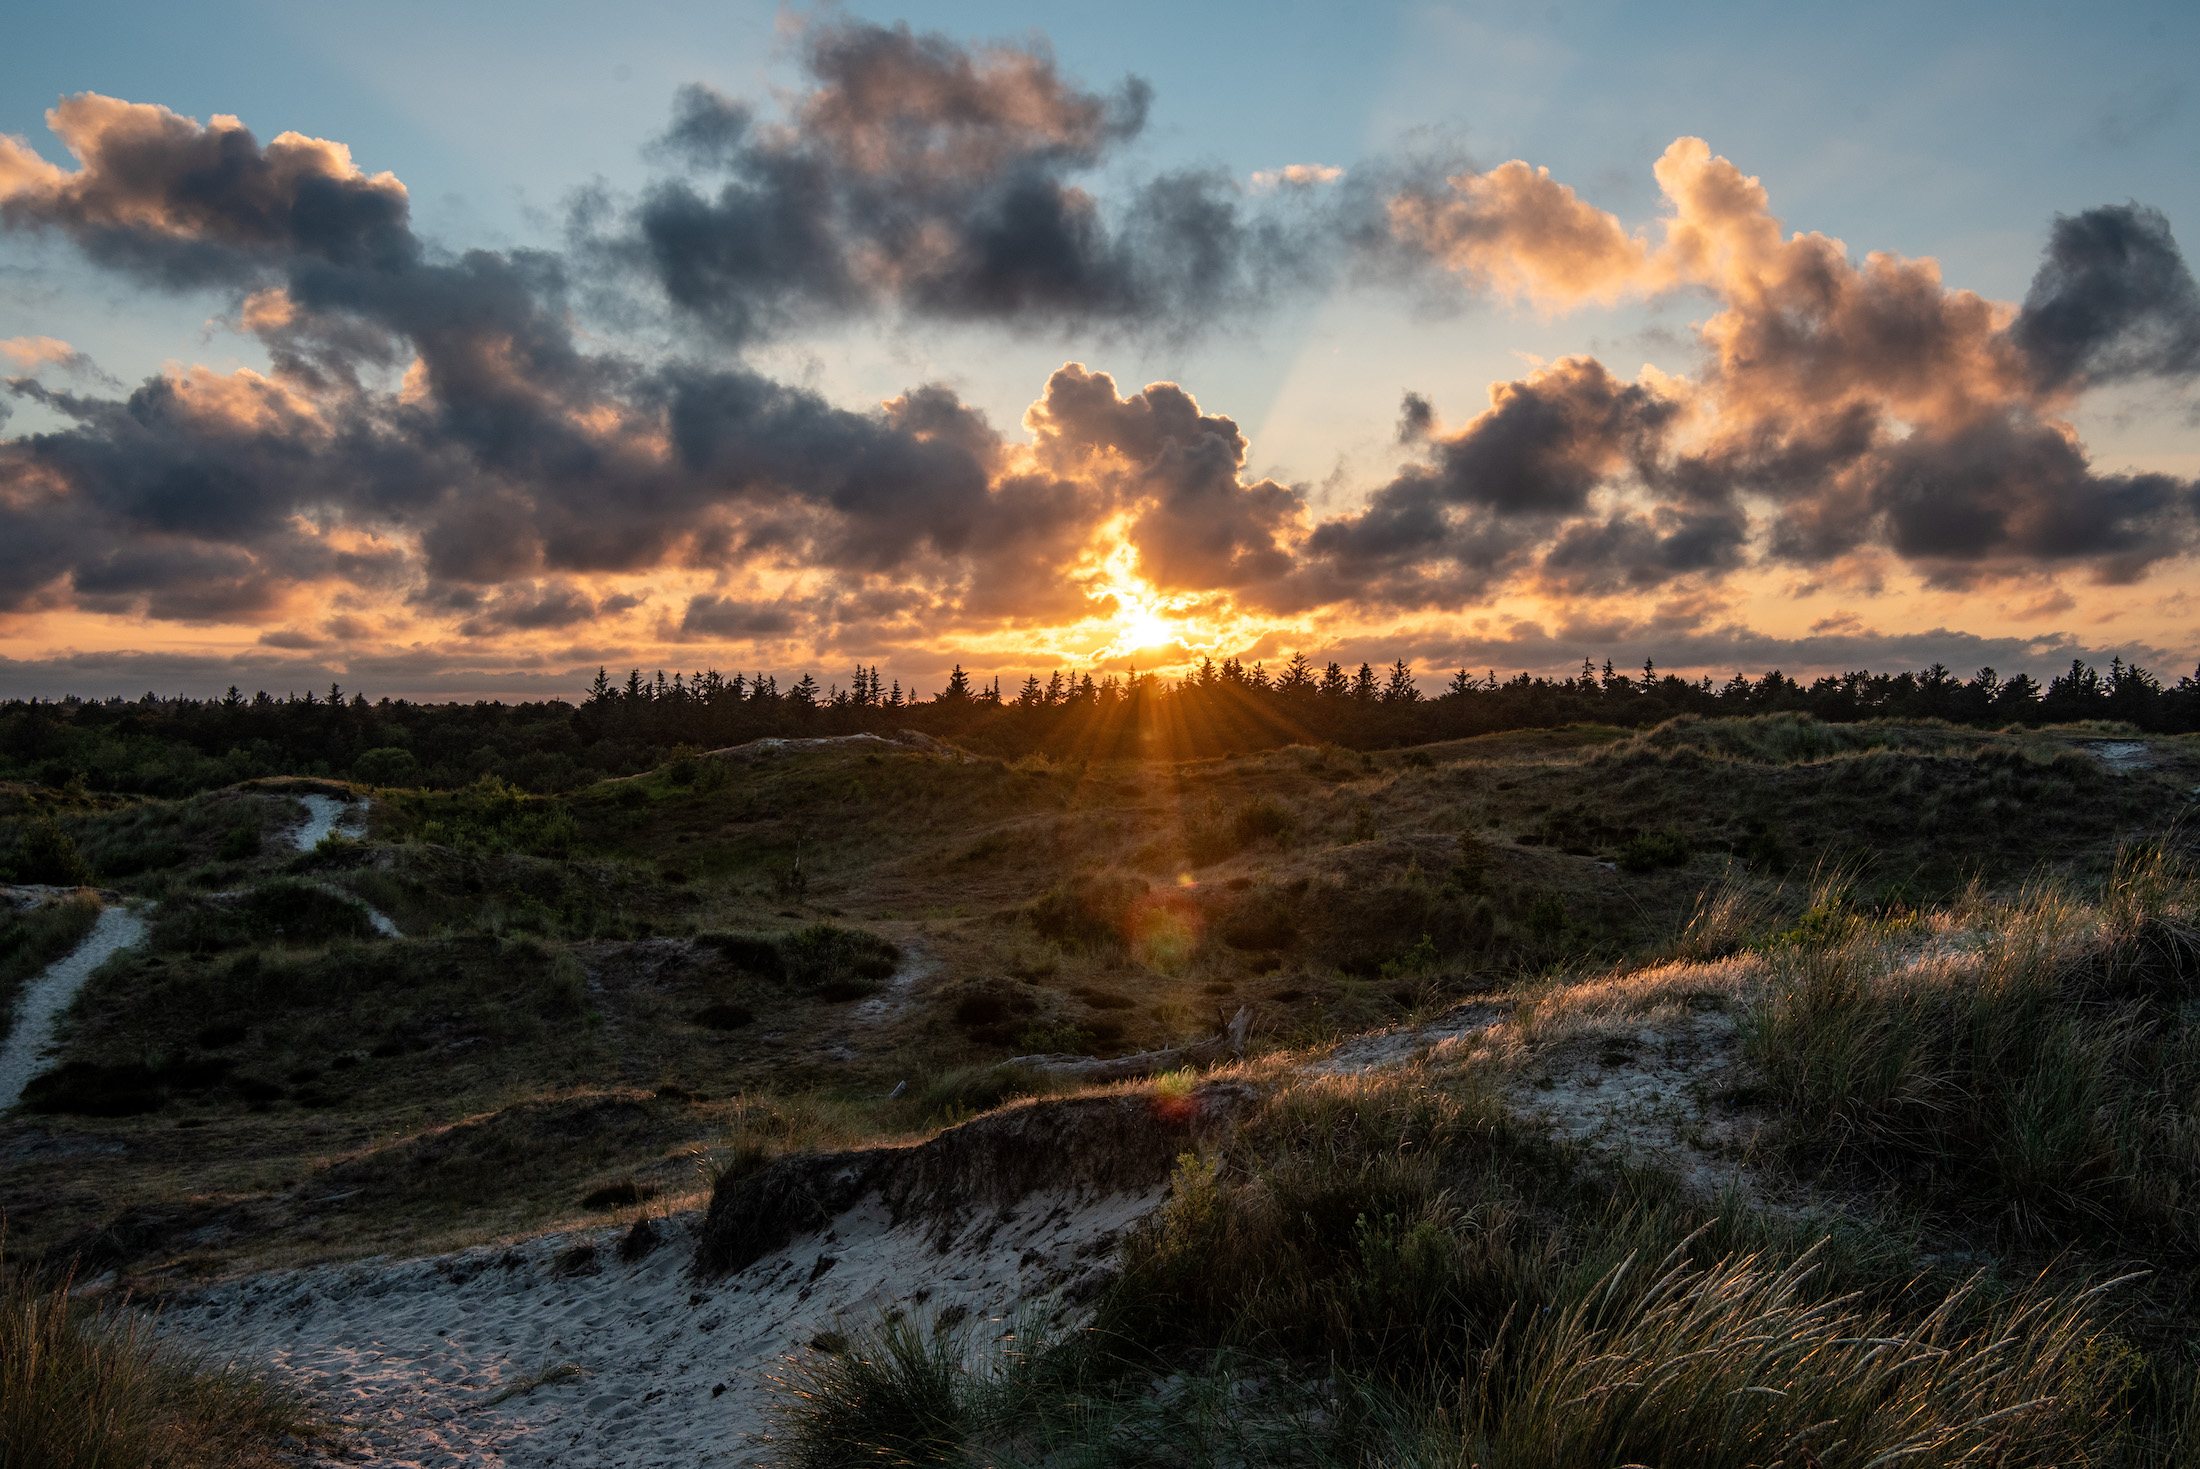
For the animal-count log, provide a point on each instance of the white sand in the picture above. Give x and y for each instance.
(406, 1355)
(324, 815)
(45, 998)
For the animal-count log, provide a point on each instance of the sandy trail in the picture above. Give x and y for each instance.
(326, 816)
(674, 1372)
(46, 997)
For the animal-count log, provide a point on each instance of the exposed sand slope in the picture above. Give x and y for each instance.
(407, 1355)
(324, 815)
(45, 997)
(675, 1363)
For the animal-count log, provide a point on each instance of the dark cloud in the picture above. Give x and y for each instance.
(729, 617)
(1176, 472)
(1627, 552)
(181, 204)
(1445, 527)
(923, 175)
(2113, 299)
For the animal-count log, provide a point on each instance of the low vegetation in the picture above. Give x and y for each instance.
(88, 1388)
(1948, 977)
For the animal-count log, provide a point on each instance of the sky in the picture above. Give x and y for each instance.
(452, 352)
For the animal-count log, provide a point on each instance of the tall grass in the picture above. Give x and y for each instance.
(32, 938)
(2036, 1059)
(89, 1389)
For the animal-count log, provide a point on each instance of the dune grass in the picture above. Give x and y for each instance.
(2033, 1060)
(87, 1388)
(32, 938)
(1393, 1268)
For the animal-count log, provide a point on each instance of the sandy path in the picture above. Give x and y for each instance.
(324, 815)
(406, 1355)
(45, 997)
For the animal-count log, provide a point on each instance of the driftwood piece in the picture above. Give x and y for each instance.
(1228, 1045)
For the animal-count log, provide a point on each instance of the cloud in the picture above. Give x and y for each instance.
(31, 353)
(1841, 405)
(2114, 299)
(526, 481)
(920, 175)
(1516, 232)
(185, 204)
(1294, 176)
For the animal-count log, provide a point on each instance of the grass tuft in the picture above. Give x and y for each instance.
(89, 1388)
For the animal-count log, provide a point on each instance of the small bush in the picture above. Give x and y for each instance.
(1260, 920)
(1472, 867)
(1263, 820)
(565, 987)
(285, 910)
(686, 763)
(748, 952)
(1544, 915)
(238, 844)
(620, 1193)
(1089, 911)
(49, 855)
(848, 961)
(897, 1395)
(1652, 850)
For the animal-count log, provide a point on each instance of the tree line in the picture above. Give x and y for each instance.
(174, 746)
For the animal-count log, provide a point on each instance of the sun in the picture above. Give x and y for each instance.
(1142, 617)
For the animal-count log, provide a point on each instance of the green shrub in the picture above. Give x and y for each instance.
(835, 961)
(1544, 915)
(238, 844)
(49, 855)
(1472, 866)
(1652, 850)
(285, 910)
(1263, 819)
(1088, 911)
(895, 1395)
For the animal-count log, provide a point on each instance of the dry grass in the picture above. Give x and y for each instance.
(86, 1388)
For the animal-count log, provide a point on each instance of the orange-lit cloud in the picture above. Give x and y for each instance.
(520, 496)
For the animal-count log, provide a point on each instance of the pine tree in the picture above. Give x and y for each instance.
(1400, 688)
(804, 694)
(1031, 695)
(1334, 684)
(1363, 685)
(1460, 685)
(1297, 676)
(958, 688)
